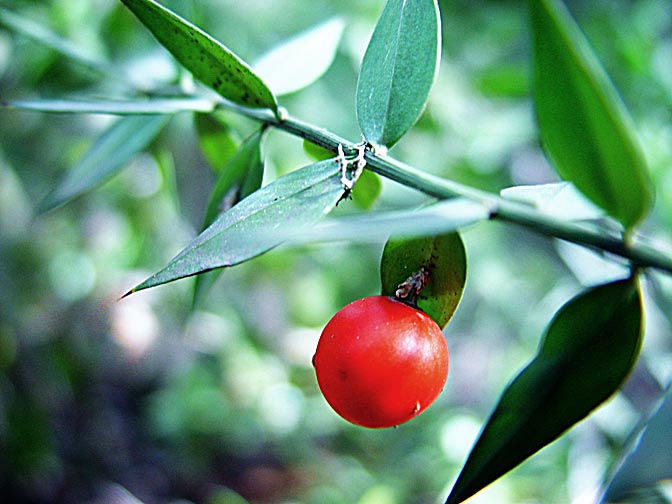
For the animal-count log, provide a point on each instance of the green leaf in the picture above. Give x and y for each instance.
(45, 36)
(589, 348)
(258, 223)
(217, 140)
(585, 127)
(398, 69)
(439, 218)
(116, 107)
(298, 62)
(649, 463)
(369, 187)
(444, 259)
(108, 156)
(559, 199)
(316, 152)
(241, 176)
(208, 60)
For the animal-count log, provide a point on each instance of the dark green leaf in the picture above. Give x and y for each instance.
(258, 223)
(117, 107)
(241, 176)
(444, 259)
(585, 127)
(301, 60)
(208, 60)
(589, 348)
(109, 154)
(650, 462)
(398, 70)
(217, 140)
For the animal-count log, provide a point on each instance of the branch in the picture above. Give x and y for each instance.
(639, 255)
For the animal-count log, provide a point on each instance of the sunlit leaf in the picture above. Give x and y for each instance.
(109, 154)
(445, 261)
(116, 107)
(439, 218)
(559, 199)
(260, 222)
(298, 62)
(585, 127)
(398, 69)
(589, 348)
(208, 60)
(217, 140)
(650, 462)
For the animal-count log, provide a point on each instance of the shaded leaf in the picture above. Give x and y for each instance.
(651, 460)
(298, 62)
(218, 142)
(368, 188)
(241, 176)
(260, 222)
(444, 259)
(44, 35)
(208, 60)
(585, 127)
(589, 348)
(316, 152)
(108, 156)
(398, 69)
(116, 107)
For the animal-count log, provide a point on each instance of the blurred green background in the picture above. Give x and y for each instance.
(104, 400)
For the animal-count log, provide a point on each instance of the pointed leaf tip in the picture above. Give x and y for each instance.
(589, 348)
(209, 61)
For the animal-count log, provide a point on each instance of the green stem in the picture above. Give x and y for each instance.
(499, 208)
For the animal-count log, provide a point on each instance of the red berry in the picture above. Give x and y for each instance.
(380, 362)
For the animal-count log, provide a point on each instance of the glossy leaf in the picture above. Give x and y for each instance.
(585, 127)
(108, 156)
(218, 142)
(116, 107)
(589, 348)
(258, 223)
(444, 259)
(298, 62)
(398, 70)
(649, 463)
(207, 59)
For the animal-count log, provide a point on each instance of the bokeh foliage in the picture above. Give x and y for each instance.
(100, 397)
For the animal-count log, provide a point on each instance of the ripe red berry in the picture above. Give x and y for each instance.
(380, 362)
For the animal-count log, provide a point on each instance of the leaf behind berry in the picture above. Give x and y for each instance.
(442, 257)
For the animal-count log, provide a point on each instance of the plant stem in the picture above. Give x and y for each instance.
(499, 208)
